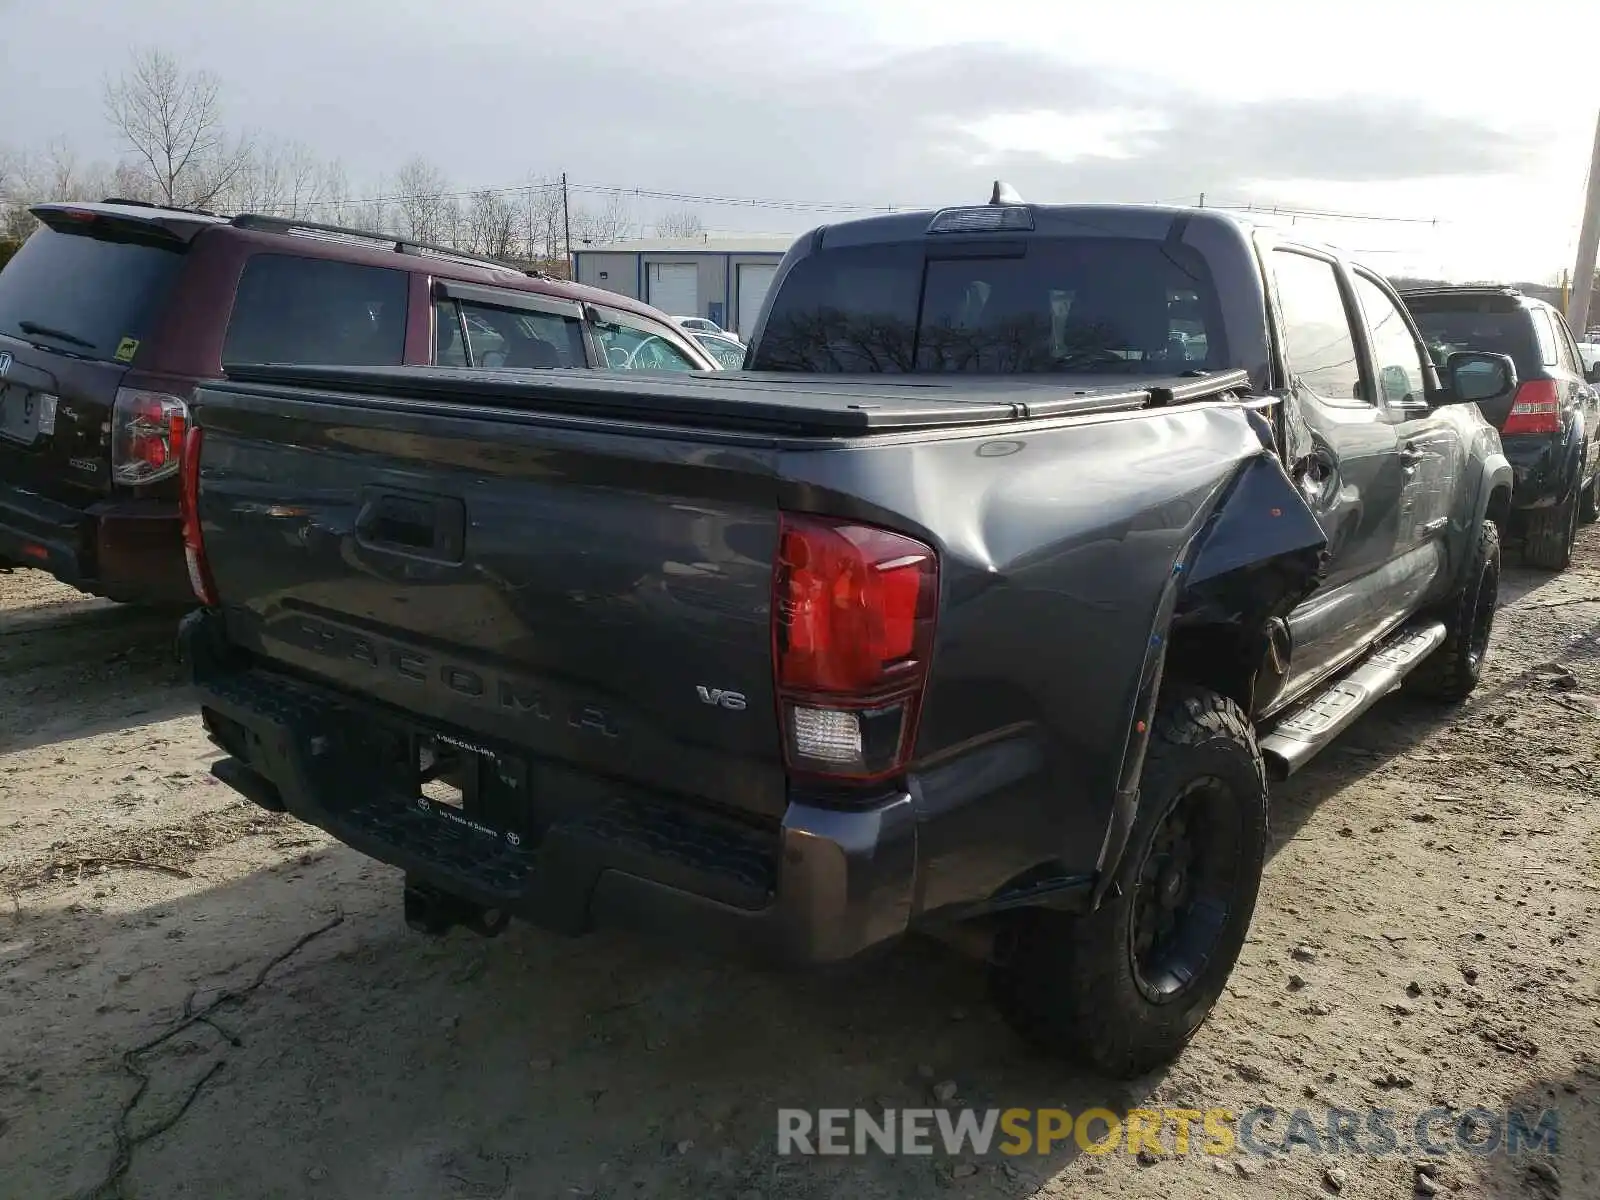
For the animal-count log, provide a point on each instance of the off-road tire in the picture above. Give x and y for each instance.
(1067, 982)
(1548, 534)
(1453, 670)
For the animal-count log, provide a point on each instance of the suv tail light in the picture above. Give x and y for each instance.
(146, 435)
(1536, 409)
(853, 610)
(194, 546)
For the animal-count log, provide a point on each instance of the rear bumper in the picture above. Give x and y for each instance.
(127, 550)
(1543, 469)
(824, 885)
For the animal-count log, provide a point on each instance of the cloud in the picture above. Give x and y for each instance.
(1091, 131)
(765, 98)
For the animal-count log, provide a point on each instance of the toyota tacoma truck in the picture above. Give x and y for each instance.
(1032, 541)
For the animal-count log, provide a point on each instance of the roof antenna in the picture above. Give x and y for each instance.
(1004, 193)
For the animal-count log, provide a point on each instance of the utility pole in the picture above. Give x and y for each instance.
(1588, 243)
(566, 225)
(1202, 199)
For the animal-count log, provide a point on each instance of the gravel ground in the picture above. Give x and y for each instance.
(200, 999)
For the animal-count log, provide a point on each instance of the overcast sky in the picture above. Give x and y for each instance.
(1398, 108)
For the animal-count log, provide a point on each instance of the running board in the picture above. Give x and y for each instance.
(1310, 726)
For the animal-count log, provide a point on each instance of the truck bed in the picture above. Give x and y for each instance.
(569, 584)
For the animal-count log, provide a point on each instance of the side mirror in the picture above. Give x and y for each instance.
(1472, 376)
(1593, 373)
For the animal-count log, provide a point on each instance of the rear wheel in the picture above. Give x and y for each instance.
(1548, 535)
(1589, 501)
(1453, 670)
(1123, 989)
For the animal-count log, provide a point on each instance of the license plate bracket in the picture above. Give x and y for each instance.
(19, 413)
(472, 786)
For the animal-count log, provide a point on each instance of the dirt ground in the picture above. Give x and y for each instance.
(200, 999)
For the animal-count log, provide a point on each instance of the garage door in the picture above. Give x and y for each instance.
(674, 288)
(753, 284)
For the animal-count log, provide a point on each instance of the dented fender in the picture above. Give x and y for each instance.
(1068, 551)
(1259, 554)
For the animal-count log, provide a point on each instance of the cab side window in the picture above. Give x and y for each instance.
(1394, 350)
(1318, 341)
(630, 344)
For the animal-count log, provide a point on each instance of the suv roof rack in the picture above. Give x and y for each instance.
(388, 241)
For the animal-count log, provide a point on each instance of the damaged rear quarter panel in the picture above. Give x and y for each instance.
(1058, 550)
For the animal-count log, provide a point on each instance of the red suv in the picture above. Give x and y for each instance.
(111, 314)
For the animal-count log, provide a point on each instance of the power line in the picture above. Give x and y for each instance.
(1323, 214)
(828, 206)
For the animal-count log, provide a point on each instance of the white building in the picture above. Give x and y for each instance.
(724, 279)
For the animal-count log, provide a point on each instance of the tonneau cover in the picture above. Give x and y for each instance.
(819, 405)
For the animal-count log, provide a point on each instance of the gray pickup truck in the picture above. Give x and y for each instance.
(983, 604)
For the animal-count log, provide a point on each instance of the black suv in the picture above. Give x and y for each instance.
(111, 314)
(1550, 428)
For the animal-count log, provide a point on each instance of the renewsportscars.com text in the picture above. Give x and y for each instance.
(1262, 1130)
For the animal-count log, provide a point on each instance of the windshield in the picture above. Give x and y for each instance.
(1080, 304)
(1447, 330)
(94, 295)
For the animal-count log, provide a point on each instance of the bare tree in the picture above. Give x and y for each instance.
(540, 221)
(131, 183)
(56, 173)
(336, 206)
(375, 212)
(258, 185)
(304, 179)
(611, 224)
(681, 223)
(15, 196)
(171, 121)
(426, 211)
(491, 225)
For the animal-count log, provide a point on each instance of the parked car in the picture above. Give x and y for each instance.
(700, 325)
(728, 351)
(1550, 429)
(111, 314)
(991, 625)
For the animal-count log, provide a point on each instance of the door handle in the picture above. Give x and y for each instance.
(420, 526)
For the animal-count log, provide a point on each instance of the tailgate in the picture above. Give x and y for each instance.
(593, 597)
(52, 410)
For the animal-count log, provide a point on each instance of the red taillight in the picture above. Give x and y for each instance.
(853, 610)
(146, 435)
(194, 546)
(1536, 409)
